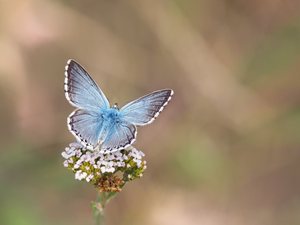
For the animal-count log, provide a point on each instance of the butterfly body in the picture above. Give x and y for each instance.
(111, 118)
(97, 125)
(112, 115)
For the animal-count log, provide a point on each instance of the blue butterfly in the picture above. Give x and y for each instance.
(95, 123)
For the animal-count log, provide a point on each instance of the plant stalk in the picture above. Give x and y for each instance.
(99, 205)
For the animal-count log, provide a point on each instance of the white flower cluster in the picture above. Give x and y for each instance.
(88, 165)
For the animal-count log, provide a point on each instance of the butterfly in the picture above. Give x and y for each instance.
(96, 124)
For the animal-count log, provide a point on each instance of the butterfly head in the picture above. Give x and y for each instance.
(115, 106)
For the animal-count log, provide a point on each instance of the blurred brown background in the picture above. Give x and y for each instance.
(224, 152)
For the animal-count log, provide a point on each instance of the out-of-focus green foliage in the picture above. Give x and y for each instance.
(224, 151)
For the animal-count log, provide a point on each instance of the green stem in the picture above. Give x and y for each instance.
(99, 205)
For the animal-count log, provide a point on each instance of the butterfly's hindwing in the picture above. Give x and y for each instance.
(81, 90)
(145, 109)
(120, 136)
(86, 126)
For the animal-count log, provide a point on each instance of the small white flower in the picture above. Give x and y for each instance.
(76, 166)
(66, 163)
(76, 145)
(110, 170)
(89, 177)
(78, 175)
(103, 169)
(84, 174)
(65, 155)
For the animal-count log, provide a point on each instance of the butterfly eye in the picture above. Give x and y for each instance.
(115, 106)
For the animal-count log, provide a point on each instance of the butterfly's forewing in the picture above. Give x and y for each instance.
(144, 110)
(81, 90)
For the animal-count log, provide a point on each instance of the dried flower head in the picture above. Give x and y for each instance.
(108, 172)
